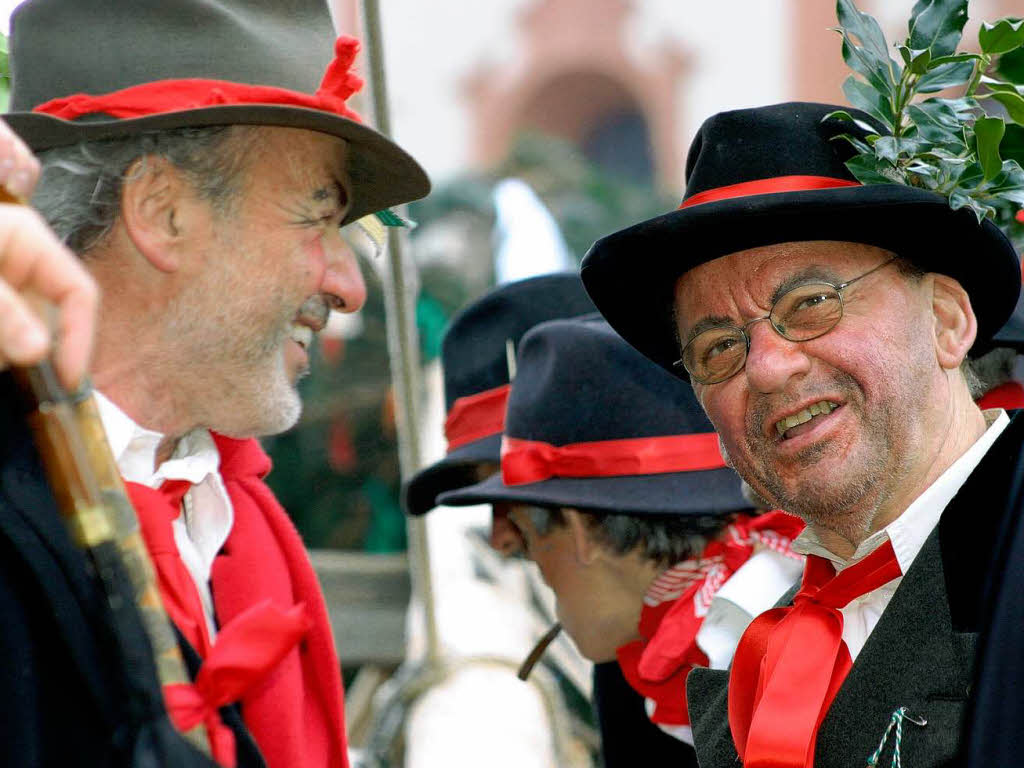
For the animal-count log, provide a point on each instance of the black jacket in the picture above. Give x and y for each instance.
(922, 652)
(67, 694)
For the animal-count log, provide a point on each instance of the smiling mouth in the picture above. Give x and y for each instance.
(813, 411)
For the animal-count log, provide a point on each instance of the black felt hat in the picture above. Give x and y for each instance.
(86, 71)
(775, 174)
(475, 355)
(594, 425)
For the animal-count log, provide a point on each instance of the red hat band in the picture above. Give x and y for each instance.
(530, 461)
(768, 186)
(164, 96)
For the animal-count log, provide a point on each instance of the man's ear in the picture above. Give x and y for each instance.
(151, 201)
(585, 546)
(956, 327)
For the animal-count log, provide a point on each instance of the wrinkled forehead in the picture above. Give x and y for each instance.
(745, 284)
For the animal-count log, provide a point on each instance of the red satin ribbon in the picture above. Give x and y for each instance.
(528, 461)
(475, 417)
(767, 187)
(791, 662)
(656, 665)
(165, 96)
(1008, 396)
(246, 650)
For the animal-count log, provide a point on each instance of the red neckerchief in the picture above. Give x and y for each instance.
(657, 664)
(267, 600)
(791, 662)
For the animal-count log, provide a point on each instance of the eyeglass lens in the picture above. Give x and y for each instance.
(801, 314)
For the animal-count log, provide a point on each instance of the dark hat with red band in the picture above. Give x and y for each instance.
(776, 174)
(476, 354)
(592, 424)
(104, 69)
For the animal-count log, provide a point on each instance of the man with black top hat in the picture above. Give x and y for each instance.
(201, 159)
(613, 481)
(824, 325)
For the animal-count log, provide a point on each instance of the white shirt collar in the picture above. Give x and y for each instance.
(909, 531)
(134, 448)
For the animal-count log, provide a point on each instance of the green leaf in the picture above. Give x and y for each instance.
(916, 61)
(864, 47)
(1003, 36)
(1011, 66)
(858, 144)
(954, 58)
(864, 28)
(868, 169)
(999, 85)
(945, 76)
(989, 132)
(1012, 145)
(935, 121)
(867, 99)
(876, 71)
(890, 148)
(1013, 102)
(842, 114)
(937, 25)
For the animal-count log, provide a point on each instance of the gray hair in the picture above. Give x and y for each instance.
(989, 371)
(664, 539)
(79, 191)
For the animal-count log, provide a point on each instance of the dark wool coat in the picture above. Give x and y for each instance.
(921, 654)
(66, 695)
(628, 737)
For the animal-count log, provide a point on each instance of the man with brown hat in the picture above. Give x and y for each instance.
(191, 159)
(824, 325)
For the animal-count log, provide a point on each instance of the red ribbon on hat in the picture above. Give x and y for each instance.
(164, 96)
(474, 417)
(529, 461)
(767, 187)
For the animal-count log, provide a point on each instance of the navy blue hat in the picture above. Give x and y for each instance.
(776, 174)
(475, 356)
(592, 424)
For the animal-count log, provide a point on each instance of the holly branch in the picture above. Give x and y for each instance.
(967, 144)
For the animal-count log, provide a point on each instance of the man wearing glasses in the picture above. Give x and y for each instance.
(848, 406)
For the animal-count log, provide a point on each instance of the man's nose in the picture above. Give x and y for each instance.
(773, 360)
(505, 537)
(343, 278)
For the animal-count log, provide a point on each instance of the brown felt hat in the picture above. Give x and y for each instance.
(103, 69)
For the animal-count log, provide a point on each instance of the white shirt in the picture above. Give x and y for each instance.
(907, 533)
(207, 515)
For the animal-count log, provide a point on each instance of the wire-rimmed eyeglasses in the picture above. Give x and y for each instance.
(802, 313)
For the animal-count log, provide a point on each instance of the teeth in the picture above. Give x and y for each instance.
(302, 335)
(821, 408)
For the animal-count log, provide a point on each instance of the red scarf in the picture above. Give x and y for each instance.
(267, 599)
(657, 664)
(791, 662)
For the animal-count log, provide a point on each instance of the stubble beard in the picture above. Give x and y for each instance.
(241, 385)
(845, 501)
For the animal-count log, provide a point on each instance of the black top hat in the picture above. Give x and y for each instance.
(775, 174)
(84, 71)
(592, 424)
(476, 355)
